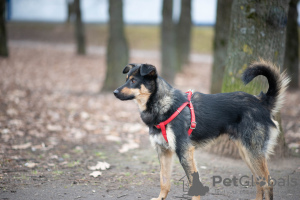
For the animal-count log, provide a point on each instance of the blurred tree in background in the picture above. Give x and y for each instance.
(168, 47)
(291, 59)
(183, 34)
(257, 30)
(117, 48)
(3, 36)
(70, 10)
(79, 29)
(220, 44)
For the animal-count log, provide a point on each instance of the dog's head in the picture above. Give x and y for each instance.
(140, 83)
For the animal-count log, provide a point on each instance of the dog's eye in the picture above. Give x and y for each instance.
(133, 80)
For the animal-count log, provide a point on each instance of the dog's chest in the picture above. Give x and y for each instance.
(158, 139)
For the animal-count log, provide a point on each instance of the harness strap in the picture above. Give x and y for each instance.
(162, 125)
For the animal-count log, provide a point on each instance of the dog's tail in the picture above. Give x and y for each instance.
(278, 82)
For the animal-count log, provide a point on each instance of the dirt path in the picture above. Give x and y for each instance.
(54, 125)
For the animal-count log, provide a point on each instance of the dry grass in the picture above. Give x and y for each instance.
(139, 36)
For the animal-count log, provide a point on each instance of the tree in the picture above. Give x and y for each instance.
(3, 37)
(291, 59)
(70, 10)
(117, 48)
(183, 36)
(257, 30)
(79, 29)
(220, 44)
(168, 43)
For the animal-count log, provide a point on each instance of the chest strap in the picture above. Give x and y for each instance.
(162, 125)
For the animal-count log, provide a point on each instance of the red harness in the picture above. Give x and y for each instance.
(162, 125)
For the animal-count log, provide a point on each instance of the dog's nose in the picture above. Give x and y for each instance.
(116, 92)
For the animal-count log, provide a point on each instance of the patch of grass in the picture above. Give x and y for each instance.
(145, 37)
(73, 164)
(78, 150)
(100, 154)
(127, 174)
(144, 173)
(57, 172)
(202, 39)
(66, 156)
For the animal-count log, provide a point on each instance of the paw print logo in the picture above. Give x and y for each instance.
(261, 181)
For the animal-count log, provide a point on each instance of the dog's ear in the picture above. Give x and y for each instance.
(147, 69)
(128, 68)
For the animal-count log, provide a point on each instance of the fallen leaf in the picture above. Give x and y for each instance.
(30, 165)
(128, 146)
(100, 165)
(54, 127)
(113, 138)
(95, 174)
(84, 115)
(22, 146)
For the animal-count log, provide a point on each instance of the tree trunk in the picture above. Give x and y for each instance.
(291, 59)
(183, 37)
(70, 10)
(220, 44)
(117, 48)
(257, 30)
(168, 43)
(79, 29)
(3, 37)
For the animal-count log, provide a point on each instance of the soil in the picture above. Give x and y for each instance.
(54, 125)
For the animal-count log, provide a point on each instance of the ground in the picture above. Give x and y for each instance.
(54, 125)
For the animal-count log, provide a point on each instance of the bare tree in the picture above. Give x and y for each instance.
(183, 36)
(291, 59)
(168, 42)
(220, 44)
(3, 36)
(70, 10)
(79, 29)
(117, 48)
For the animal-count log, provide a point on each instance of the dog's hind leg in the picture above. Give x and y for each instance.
(166, 159)
(258, 165)
(186, 158)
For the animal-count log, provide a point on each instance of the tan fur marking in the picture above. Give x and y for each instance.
(192, 163)
(142, 98)
(130, 91)
(259, 168)
(191, 159)
(166, 159)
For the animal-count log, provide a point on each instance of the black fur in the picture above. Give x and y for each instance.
(244, 117)
(268, 99)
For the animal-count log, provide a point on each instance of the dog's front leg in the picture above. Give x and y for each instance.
(186, 158)
(166, 159)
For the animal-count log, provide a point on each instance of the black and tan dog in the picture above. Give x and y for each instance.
(247, 119)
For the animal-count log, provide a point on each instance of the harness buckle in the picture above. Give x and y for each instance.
(193, 125)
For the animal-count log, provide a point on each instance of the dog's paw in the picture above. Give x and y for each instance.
(158, 198)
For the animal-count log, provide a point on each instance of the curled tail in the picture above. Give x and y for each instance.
(278, 82)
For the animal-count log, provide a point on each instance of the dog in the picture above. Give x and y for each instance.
(247, 119)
